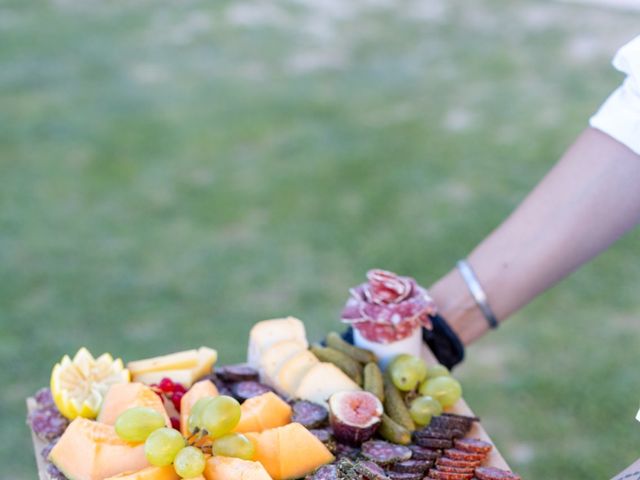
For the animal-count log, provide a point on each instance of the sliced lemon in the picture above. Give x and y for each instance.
(78, 386)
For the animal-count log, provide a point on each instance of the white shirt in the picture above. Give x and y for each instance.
(619, 115)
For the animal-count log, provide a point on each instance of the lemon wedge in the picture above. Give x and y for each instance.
(79, 385)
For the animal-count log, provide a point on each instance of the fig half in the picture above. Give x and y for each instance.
(354, 416)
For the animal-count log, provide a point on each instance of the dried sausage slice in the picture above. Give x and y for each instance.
(473, 445)
(309, 414)
(384, 453)
(492, 473)
(462, 455)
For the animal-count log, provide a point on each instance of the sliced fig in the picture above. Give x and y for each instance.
(354, 416)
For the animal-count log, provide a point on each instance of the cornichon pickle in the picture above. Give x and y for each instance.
(373, 381)
(395, 407)
(335, 341)
(344, 362)
(393, 431)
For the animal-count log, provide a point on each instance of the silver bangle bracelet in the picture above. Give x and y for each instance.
(477, 292)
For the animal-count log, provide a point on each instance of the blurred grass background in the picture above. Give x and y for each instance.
(171, 172)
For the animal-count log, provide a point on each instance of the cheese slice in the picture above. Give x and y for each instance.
(175, 361)
(182, 376)
(207, 357)
(322, 381)
(291, 372)
(268, 332)
(275, 356)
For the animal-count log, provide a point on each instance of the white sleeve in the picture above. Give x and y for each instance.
(619, 115)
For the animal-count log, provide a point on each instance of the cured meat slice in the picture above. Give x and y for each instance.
(321, 434)
(473, 445)
(430, 432)
(457, 463)
(434, 442)
(423, 453)
(342, 450)
(492, 473)
(440, 475)
(326, 472)
(309, 414)
(462, 455)
(447, 468)
(237, 373)
(412, 466)
(249, 389)
(404, 476)
(384, 453)
(370, 470)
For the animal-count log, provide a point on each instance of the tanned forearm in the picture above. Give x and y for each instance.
(586, 202)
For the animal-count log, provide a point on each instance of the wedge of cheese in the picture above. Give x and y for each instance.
(275, 356)
(181, 367)
(293, 370)
(322, 381)
(268, 332)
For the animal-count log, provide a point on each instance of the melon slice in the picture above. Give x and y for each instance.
(149, 473)
(90, 450)
(226, 468)
(263, 412)
(268, 332)
(204, 388)
(123, 396)
(290, 451)
(267, 450)
(273, 358)
(293, 370)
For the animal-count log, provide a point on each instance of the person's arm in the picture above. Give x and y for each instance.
(586, 202)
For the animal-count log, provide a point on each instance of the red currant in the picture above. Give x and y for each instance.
(166, 385)
(179, 388)
(175, 423)
(175, 398)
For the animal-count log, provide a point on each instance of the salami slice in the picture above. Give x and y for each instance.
(423, 453)
(443, 422)
(370, 470)
(404, 476)
(492, 473)
(447, 468)
(309, 414)
(326, 472)
(473, 445)
(384, 453)
(462, 455)
(248, 389)
(438, 433)
(433, 442)
(440, 475)
(457, 463)
(237, 373)
(321, 434)
(412, 466)
(342, 450)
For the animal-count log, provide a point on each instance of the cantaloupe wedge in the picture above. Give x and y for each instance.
(267, 450)
(90, 450)
(149, 473)
(262, 413)
(227, 468)
(123, 396)
(204, 388)
(290, 451)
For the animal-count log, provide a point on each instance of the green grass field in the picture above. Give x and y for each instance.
(171, 172)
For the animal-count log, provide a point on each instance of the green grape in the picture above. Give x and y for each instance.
(195, 417)
(407, 371)
(423, 408)
(189, 462)
(437, 370)
(234, 445)
(220, 416)
(446, 390)
(163, 445)
(136, 424)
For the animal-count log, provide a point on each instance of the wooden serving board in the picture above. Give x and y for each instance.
(494, 459)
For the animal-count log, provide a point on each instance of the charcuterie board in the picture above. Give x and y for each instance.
(494, 459)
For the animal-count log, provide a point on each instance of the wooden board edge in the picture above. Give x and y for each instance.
(495, 458)
(38, 445)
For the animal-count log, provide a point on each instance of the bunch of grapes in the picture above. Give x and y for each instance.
(210, 423)
(430, 388)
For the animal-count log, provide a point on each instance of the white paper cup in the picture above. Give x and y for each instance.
(387, 351)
